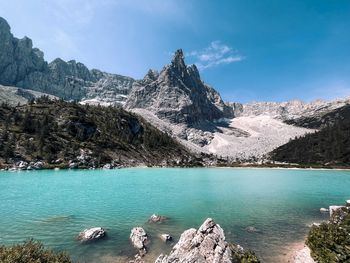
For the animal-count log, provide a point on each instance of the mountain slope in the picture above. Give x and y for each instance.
(23, 66)
(330, 145)
(289, 111)
(86, 135)
(179, 103)
(14, 96)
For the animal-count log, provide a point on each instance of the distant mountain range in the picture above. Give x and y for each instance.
(175, 100)
(23, 66)
(330, 145)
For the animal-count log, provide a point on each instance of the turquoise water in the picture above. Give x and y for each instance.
(54, 206)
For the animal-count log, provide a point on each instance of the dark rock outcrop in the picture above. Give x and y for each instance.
(178, 94)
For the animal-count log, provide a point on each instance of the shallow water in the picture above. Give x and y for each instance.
(54, 206)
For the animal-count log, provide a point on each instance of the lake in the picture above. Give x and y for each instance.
(54, 206)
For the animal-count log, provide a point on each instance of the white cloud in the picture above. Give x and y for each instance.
(216, 54)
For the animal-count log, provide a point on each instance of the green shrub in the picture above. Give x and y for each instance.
(330, 242)
(31, 252)
(243, 256)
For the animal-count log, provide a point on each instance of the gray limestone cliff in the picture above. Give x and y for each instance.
(178, 95)
(23, 66)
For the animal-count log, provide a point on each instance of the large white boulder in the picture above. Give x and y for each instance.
(139, 239)
(92, 234)
(205, 245)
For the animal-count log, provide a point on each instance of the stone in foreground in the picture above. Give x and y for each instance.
(207, 244)
(92, 234)
(139, 239)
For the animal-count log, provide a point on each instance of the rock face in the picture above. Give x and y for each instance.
(18, 58)
(207, 244)
(296, 112)
(178, 95)
(23, 66)
(92, 234)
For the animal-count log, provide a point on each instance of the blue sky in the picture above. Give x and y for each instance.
(248, 50)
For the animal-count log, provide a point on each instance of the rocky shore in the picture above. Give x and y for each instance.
(206, 245)
(327, 241)
(298, 253)
(330, 240)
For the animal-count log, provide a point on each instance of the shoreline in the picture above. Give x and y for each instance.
(4, 168)
(299, 252)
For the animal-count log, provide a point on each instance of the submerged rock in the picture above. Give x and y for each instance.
(156, 219)
(92, 234)
(251, 229)
(139, 239)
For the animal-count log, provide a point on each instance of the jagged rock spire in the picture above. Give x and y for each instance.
(178, 94)
(178, 60)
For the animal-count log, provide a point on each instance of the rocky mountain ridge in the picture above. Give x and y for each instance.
(175, 100)
(289, 110)
(330, 146)
(178, 95)
(23, 66)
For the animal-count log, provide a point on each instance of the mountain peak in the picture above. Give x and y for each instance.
(4, 26)
(178, 60)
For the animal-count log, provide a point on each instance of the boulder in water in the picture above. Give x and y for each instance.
(139, 239)
(207, 244)
(251, 229)
(156, 219)
(166, 237)
(92, 234)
